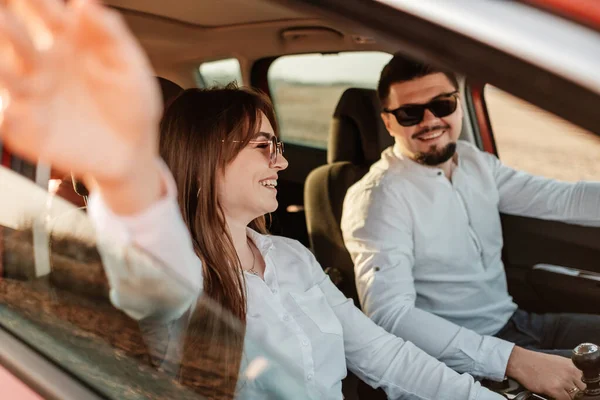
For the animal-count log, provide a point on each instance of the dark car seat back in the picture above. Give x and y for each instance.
(357, 137)
(357, 133)
(169, 90)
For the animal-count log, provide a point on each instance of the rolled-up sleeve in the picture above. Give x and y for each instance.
(148, 258)
(380, 243)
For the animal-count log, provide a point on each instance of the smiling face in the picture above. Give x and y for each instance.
(432, 141)
(247, 188)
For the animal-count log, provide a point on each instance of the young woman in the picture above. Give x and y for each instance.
(85, 101)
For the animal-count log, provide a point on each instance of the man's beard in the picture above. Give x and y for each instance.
(436, 157)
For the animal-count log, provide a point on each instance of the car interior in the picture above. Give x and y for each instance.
(550, 266)
(356, 139)
(181, 37)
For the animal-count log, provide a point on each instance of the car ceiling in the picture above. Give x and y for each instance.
(179, 34)
(211, 13)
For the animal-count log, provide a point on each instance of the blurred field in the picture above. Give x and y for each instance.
(539, 142)
(304, 111)
(527, 138)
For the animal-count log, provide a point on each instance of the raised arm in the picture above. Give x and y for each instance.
(148, 257)
(78, 93)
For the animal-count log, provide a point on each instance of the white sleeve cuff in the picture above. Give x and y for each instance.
(148, 257)
(493, 358)
(122, 229)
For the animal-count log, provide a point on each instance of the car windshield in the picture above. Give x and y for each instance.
(54, 296)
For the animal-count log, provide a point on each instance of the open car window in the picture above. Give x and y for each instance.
(54, 296)
(536, 141)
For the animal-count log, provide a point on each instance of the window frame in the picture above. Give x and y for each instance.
(37, 372)
(479, 116)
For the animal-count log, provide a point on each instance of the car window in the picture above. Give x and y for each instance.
(219, 73)
(306, 88)
(54, 295)
(536, 141)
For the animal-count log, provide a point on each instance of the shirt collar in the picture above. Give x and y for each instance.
(263, 243)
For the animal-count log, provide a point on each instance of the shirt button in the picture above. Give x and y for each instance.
(286, 318)
(439, 173)
(274, 291)
(309, 377)
(304, 342)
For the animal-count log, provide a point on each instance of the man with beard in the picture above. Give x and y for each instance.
(423, 229)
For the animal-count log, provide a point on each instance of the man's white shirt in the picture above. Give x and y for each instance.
(427, 249)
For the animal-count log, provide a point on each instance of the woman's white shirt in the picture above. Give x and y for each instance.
(295, 311)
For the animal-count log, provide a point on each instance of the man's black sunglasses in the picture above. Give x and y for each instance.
(413, 114)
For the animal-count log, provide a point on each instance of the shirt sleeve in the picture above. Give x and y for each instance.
(384, 360)
(380, 243)
(148, 258)
(538, 197)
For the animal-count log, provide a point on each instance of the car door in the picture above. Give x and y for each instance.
(62, 336)
(550, 266)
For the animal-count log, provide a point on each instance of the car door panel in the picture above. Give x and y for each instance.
(552, 266)
(13, 388)
(529, 242)
(34, 375)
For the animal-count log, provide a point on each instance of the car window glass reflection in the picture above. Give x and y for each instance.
(54, 295)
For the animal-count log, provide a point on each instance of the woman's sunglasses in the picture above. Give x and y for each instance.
(275, 147)
(413, 114)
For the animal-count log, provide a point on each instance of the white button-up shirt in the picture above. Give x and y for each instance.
(295, 311)
(427, 250)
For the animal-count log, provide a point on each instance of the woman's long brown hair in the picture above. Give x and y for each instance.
(201, 132)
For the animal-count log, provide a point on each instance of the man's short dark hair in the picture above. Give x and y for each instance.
(402, 69)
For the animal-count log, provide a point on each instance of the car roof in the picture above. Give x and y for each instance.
(212, 13)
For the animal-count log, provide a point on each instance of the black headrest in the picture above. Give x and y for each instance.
(169, 90)
(357, 133)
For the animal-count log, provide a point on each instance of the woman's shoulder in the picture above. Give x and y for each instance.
(267, 242)
(286, 250)
(295, 261)
(288, 244)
